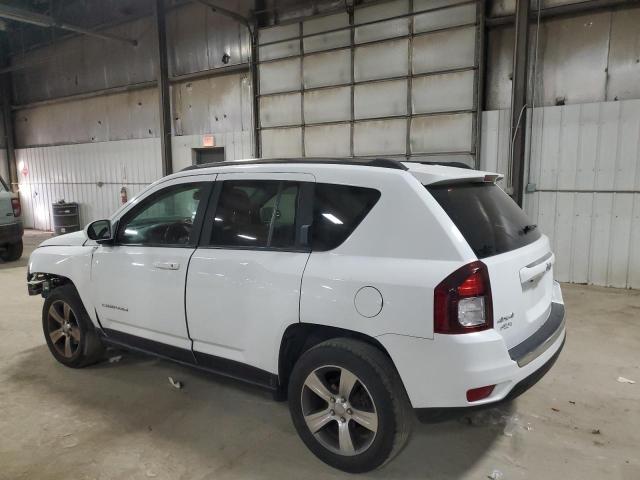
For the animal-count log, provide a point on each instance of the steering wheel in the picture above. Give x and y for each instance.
(176, 233)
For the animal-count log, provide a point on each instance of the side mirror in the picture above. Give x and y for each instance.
(100, 231)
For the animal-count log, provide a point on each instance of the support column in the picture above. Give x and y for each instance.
(519, 99)
(7, 117)
(163, 89)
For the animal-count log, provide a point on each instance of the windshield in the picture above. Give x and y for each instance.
(490, 221)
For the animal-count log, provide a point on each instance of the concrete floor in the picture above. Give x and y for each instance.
(124, 420)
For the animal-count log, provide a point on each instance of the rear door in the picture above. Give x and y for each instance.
(518, 256)
(243, 284)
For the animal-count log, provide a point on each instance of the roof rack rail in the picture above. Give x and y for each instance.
(365, 162)
(444, 164)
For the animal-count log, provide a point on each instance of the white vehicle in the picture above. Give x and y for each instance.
(11, 228)
(360, 290)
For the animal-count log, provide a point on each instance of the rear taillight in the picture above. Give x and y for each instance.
(462, 301)
(17, 208)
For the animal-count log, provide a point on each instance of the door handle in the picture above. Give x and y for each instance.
(166, 265)
(528, 274)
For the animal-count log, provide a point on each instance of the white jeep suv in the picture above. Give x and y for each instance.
(359, 289)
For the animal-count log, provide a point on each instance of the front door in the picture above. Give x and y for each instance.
(243, 285)
(138, 283)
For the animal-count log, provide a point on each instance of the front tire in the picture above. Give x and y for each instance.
(68, 330)
(349, 406)
(13, 252)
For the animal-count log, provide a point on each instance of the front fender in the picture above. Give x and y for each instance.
(71, 262)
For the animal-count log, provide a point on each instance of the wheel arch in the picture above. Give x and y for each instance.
(62, 265)
(300, 337)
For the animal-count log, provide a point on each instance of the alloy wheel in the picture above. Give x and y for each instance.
(63, 329)
(339, 410)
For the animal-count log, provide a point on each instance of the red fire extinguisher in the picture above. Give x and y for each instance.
(123, 195)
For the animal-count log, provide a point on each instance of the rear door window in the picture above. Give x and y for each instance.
(337, 211)
(490, 221)
(256, 213)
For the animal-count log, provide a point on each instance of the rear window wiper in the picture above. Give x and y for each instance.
(529, 228)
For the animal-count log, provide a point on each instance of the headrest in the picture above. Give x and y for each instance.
(237, 199)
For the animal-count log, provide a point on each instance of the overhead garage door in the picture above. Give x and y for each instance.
(397, 79)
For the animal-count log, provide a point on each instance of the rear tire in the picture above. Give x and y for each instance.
(13, 252)
(68, 330)
(349, 406)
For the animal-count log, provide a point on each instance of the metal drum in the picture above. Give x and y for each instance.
(66, 218)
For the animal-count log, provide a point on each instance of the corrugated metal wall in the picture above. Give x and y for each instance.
(122, 116)
(221, 104)
(85, 64)
(587, 58)
(85, 150)
(90, 174)
(585, 164)
(396, 79)
(197, 38)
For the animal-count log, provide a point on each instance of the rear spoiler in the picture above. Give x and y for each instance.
(438, 174)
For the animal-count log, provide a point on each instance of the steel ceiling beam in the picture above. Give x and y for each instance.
(33, 18)
(519, 100)
(164, 98)
(226, 12)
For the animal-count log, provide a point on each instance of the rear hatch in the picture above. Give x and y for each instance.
(518, 257)
(6, 209)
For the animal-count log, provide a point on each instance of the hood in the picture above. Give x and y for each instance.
(74, 239)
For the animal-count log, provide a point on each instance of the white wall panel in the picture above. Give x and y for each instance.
(281, 32)
(281, 142)
(442, 133)
(494, 156)
(279, 50)
(326, 41)
(380, 99)
(381, 137)
(585, 165)
(90, 174)
(280, 110)
(441, 93)
(328, 140)
(383, 29)
(444, 50)
(327, 105)
(381, 60)
(450, 17)
(324, 69)
(279, 76)
(374, 67)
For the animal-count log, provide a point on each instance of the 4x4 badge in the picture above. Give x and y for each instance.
(504, 321)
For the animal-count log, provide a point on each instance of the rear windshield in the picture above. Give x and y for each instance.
(490, 221)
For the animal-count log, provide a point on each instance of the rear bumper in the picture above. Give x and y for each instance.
(438, 373)
(11, 233)
(434, 415)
